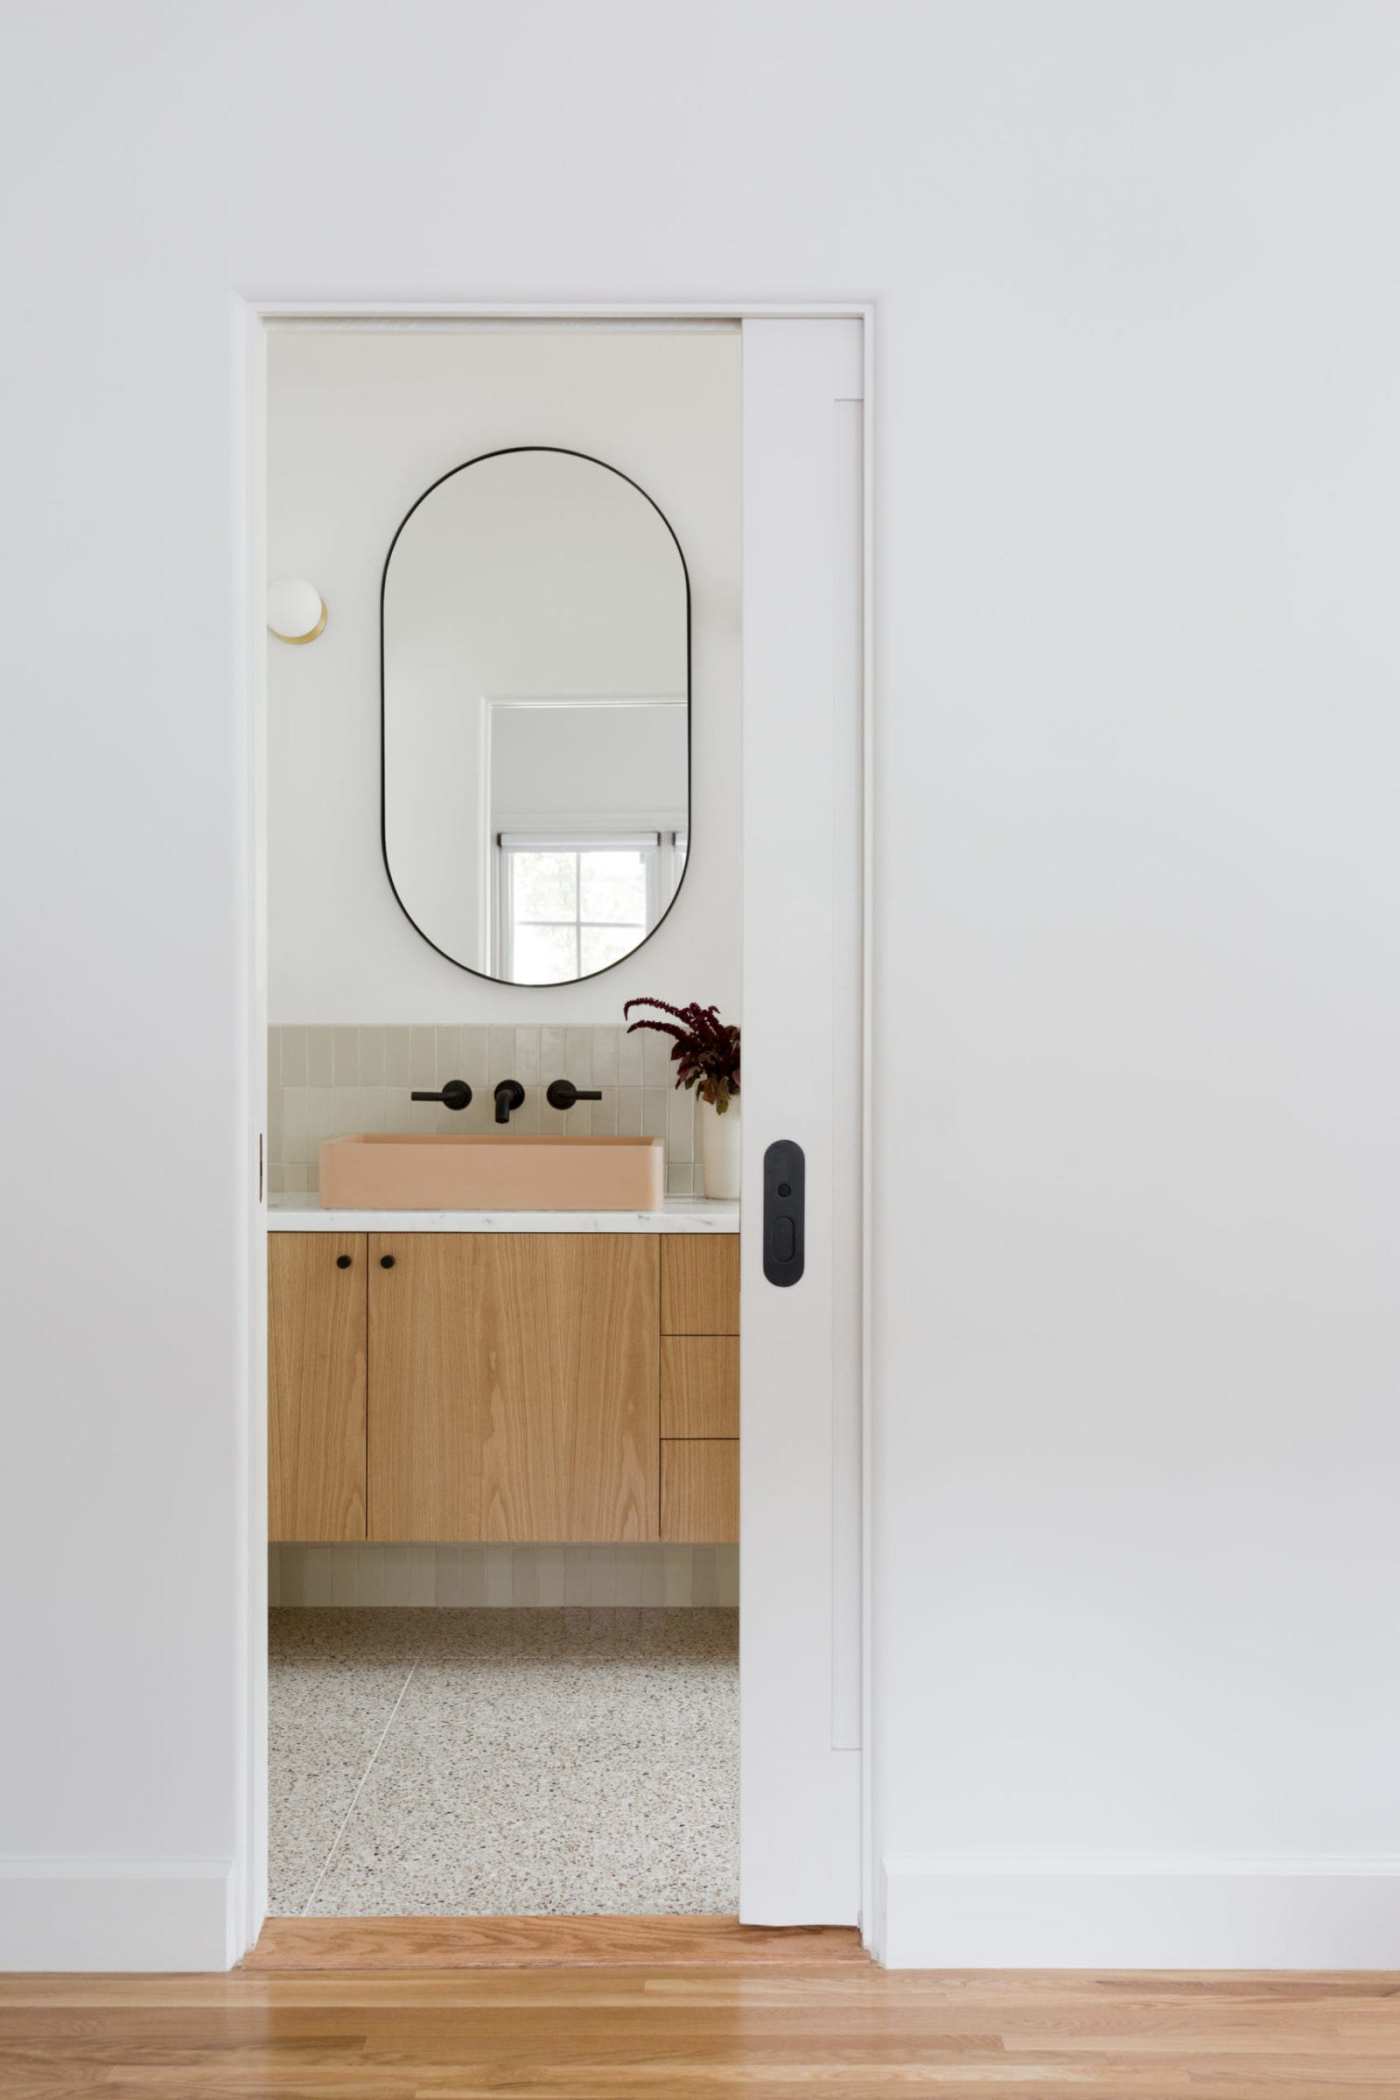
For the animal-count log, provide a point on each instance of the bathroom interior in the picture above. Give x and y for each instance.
(502, 766)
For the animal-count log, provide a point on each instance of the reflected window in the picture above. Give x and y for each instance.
(569, 906)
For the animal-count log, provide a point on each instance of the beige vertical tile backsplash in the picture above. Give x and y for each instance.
(333, 1081)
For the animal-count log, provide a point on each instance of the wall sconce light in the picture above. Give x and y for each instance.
(296, 611)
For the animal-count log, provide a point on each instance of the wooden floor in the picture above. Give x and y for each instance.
(554, 1943)
(836, 2029)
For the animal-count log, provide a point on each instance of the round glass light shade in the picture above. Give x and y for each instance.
(296, 611)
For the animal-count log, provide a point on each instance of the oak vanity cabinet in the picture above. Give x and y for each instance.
(505, 1387)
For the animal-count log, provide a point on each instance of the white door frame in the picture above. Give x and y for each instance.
(251, 317)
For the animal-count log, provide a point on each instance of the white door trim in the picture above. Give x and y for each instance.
(251, 315)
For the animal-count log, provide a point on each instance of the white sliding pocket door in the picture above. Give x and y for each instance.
(801, 1350)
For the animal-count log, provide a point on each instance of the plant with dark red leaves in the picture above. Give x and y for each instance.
(704, 1050)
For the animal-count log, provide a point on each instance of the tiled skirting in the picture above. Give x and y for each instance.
(503, 1575)
(332, 1082)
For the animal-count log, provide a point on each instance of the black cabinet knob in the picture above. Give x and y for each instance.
(386, 1261)
(342, 1261)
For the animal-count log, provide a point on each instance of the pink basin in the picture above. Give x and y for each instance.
(411, 1172)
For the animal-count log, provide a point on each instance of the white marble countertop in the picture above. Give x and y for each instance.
(303, 1213)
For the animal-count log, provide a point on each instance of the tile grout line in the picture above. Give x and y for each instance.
(345, 1824)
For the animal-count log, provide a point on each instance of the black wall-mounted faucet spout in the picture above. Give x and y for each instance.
(510, 1095)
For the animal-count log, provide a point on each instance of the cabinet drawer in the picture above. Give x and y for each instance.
(700, 1491)
(700, 1385)
(699, 1283)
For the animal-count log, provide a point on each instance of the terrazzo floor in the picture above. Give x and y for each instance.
(503, 1763)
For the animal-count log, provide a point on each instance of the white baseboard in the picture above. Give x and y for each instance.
(105, 1914)
(951, 1912)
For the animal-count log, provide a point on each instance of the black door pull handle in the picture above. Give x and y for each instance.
(784, 1211)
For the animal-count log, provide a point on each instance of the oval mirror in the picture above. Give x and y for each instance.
(535, 690)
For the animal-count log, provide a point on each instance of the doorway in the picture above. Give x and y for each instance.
(806, 557)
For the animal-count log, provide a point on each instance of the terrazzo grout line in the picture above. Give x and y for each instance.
(345, 1824)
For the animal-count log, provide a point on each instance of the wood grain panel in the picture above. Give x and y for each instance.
(700, 1385)
(700, 1492)
(700, 1283)
(844, 2030)
(424, 1435)
(316, 1386)
(486, 1943)
(570, 1367)
(514, 1389)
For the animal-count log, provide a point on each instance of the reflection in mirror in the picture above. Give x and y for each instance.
(536, 716)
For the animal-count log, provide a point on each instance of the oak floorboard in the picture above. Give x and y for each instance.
(840, 2030)
(467, 1942)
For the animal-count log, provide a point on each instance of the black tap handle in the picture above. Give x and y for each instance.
(562, 1093)
(456, 1094)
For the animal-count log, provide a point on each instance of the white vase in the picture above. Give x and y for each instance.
(719, 1149)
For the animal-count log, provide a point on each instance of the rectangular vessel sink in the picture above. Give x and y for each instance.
(407, 1171)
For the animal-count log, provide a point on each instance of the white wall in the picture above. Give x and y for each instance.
(1139, 439)
(359, 423)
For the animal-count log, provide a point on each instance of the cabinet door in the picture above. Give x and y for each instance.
(514, 1386)
(316, 1385)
